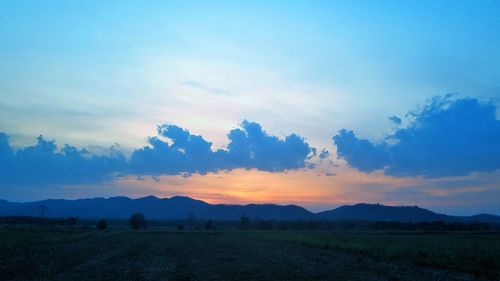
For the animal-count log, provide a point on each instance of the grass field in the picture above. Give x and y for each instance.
(157, 254)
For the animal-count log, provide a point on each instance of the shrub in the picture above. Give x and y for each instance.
(102, 224)
(71, 221)
(191, 220)
(209, 225)
(244, 222)
(137, 221)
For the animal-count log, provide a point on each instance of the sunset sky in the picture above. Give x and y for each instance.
(316, 103)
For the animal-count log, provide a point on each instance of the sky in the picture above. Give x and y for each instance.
(316, 103)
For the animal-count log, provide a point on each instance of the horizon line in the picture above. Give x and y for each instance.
(226, 204)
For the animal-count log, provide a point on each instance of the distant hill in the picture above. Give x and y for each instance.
(377, 212)
(180, 207)
(177, 207)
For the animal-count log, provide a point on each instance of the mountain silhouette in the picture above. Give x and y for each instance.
(373, 212)
(180, 207)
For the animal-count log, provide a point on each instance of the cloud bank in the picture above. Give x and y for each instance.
(447, 137)
(173, 151)
(44, 163)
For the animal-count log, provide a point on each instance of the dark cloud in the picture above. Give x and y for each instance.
(447, 137)
(396, 120)
(187, 153)
(43, 163)
(249, 147)
(360, 153)
(324, 154)
(173, 151)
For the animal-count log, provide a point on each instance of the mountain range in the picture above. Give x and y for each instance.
(180, 207)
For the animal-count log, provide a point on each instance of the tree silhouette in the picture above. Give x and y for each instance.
(102, 224)
(191, 220)
(209, 225)
(42, 210)
(71, 221)
(244, 222)
(137, 221)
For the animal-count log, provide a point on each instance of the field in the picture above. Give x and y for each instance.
(159, 254)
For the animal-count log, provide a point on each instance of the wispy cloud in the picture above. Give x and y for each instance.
(204, 87)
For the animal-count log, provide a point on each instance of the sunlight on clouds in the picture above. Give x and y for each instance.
(252, 93)
(316, 191)
(293, 68)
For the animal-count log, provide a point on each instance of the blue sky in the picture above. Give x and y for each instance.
(95, 74)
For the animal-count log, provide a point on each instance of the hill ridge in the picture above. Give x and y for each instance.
(179, 207)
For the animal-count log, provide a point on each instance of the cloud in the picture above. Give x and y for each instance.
(447, 137)
(187, 153)
(360, 153)
(396, 120)
(43, 163)
(173, 151)
(249, 147)
(204, 87)
(324, 154)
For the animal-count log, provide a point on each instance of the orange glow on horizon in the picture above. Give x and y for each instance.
(308, 188)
